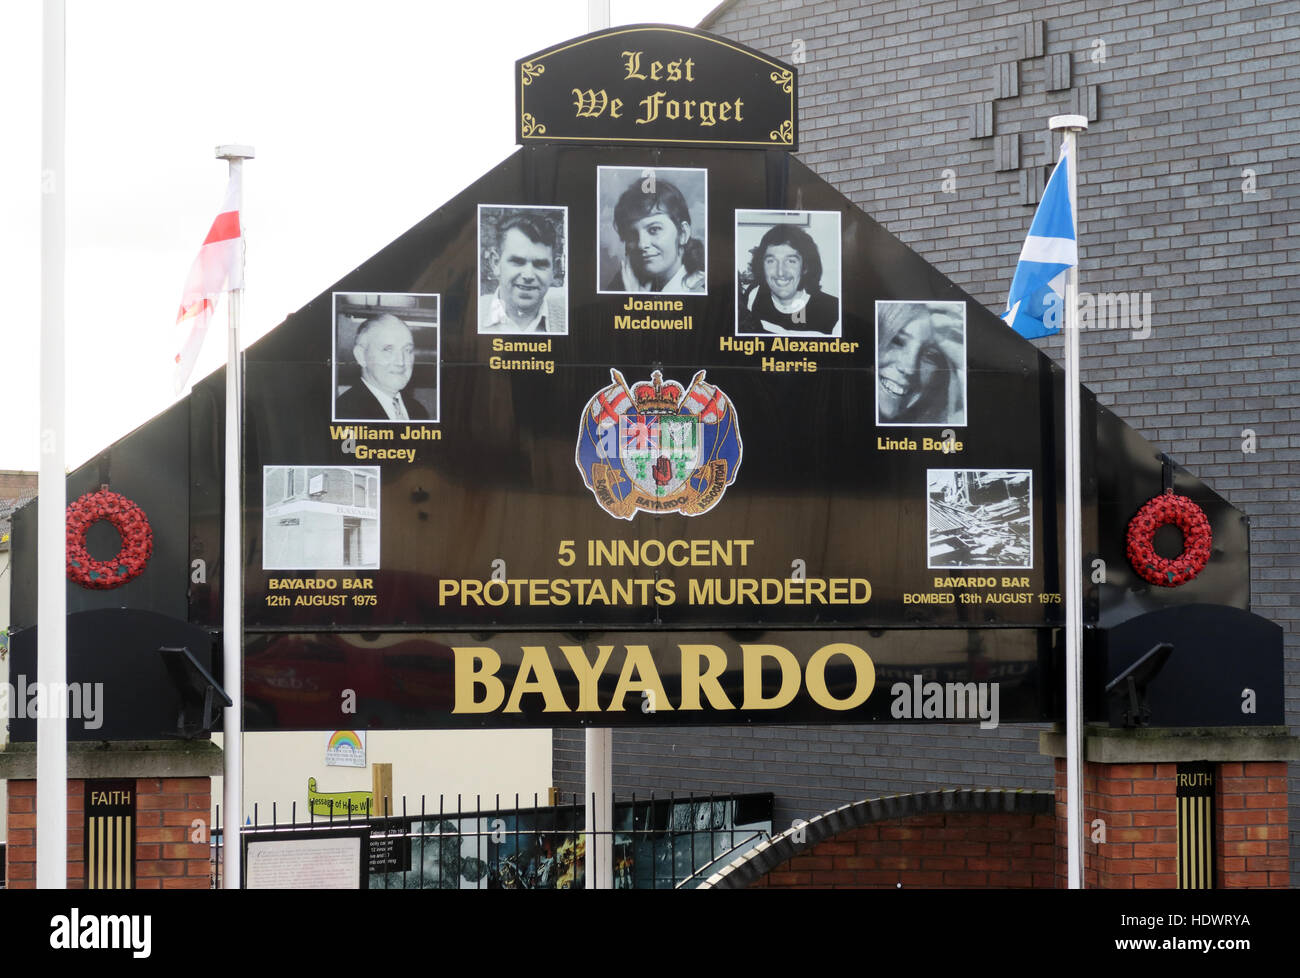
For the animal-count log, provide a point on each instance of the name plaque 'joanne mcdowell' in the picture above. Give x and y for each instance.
(662, 85)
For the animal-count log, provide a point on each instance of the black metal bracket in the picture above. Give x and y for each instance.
(198, 690)
(1166, 472)
(1134, 681)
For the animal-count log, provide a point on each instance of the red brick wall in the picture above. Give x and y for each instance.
(1138, 804)
(20, 871)
(1251, 824)
(165, 856)
(954, 850)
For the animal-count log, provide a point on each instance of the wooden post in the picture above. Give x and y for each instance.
(381, 782)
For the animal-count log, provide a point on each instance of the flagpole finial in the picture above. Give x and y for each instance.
(1059, 122)
(234, 151)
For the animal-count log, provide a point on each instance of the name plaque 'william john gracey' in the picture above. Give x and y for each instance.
(656, 84)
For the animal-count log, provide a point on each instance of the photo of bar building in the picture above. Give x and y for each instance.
(321, 517)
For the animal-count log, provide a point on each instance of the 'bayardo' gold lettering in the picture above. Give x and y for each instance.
(535, 663)
(753, 666)
(587, 672)
(702, 669)
(639, 661)
(478, 667)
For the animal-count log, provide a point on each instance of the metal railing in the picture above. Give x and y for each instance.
(654, 843)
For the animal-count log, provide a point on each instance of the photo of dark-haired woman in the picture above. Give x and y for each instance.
(651, 230)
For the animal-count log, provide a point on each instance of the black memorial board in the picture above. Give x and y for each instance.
(829, 518)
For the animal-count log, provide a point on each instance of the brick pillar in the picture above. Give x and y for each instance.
(20, 854)
(1130, 782)
(1251, 829)
(165, 856)
(1136, 802)
(173, 790)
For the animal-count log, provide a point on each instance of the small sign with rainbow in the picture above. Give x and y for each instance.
(346, 748)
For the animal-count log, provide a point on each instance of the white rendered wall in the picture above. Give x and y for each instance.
(483, 762)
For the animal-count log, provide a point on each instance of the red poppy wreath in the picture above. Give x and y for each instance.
(131, 524)
(1164, 510)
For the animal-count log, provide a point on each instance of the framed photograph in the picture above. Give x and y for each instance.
(523, 270)
(387, 357)
(320, 517)
(652, 230)
(979, 518)
(920, 363)
(788, 273)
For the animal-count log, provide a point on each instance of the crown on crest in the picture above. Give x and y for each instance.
(657, 397)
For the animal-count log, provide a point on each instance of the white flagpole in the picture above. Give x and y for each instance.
(51, 486)
(232, 574)
(1069, 126)
(599, 752)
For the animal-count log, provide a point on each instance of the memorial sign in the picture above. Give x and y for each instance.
(651, 424)
(649, 84)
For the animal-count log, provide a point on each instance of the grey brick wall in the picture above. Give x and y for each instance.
(1189, 97)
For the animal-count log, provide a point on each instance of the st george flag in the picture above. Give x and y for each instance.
(218, 268)
(1036, 303)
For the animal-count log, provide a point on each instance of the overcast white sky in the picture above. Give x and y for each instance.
(365, 116)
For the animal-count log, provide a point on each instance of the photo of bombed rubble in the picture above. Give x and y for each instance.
(979, 518)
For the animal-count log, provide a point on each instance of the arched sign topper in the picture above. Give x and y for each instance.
(657, 84)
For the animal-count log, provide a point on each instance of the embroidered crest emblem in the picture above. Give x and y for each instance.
(658, 447)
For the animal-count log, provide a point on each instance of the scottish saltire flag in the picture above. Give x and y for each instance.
(1036, 303)
(218, 268)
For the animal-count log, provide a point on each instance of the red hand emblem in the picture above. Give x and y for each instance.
(663, 471)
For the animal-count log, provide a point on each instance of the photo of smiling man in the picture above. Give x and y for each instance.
(386, 357)
(920, 363)
(787, 273)
(523, 254)
(651, 230)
